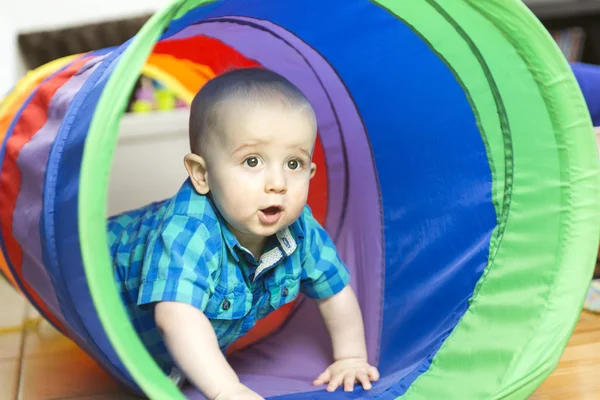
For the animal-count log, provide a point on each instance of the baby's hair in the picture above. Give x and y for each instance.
(247, 84)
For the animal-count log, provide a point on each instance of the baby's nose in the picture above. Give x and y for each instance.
(276, 182)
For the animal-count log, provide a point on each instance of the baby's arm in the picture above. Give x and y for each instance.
(343, 319)
(192, 342)
(326, 279)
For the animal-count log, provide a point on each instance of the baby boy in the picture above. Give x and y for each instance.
(237, 241)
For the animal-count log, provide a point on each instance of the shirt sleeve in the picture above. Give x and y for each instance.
(324, 274)
(179, 264)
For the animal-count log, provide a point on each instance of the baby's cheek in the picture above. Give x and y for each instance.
(300, 188)
(297, 199)
(241, 196)
(240, 182)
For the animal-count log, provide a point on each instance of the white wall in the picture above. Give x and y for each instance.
(60, 13)
(32, 15)
(148, 161)
(9, 59)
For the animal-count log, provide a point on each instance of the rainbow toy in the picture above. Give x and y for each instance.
(458, 177)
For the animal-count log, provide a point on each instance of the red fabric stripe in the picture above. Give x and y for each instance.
(319, 187)
(30, 122)
(206, 51)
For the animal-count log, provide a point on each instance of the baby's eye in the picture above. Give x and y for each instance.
(294, 164)
(252, 162)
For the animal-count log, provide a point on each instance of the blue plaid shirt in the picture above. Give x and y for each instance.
(181, 250)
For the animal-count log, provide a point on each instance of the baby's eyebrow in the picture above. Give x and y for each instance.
(305, 152)
(244, 146)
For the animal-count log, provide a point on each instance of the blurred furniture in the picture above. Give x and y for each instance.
(564, 14)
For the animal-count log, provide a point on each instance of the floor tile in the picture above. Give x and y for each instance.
(10, 345)
(9, 370)
(12, 313)
(45, 340)
(12, 306)
(106, 396)
(64, 374)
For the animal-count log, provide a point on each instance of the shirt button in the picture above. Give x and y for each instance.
(226, 305)
(285, 292)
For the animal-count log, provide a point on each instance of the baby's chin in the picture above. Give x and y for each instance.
(255, 230)
(268, 231)
(265, 231)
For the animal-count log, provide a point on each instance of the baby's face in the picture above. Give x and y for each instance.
(259, 167)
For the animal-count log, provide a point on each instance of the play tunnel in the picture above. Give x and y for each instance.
(458, 176)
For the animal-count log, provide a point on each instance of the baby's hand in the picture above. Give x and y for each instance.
(239, 392)
(347, 372)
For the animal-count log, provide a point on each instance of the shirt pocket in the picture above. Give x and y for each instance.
(284, 290)
(229, 303)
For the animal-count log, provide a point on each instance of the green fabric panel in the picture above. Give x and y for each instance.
(579, 185)
(95, 171)
(531, 294)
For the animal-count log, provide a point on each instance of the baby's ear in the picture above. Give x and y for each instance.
(313, 169)
(196, 168)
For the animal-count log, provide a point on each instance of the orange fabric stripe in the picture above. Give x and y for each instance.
(186, 72)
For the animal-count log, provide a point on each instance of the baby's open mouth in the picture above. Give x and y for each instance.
(271, 210)
(270, 215)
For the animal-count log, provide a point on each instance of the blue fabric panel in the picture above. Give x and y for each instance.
(433, 169)
(588, 77)
(61, 248)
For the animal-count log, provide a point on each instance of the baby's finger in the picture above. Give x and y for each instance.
(335, 382)
(363, 378)
(373, 374)
(323, 378)
(349, 382)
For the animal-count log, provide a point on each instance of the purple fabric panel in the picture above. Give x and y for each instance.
(304, 339)
(32, 161)
(284, 363)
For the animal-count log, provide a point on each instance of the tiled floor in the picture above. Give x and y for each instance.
(38, 363)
